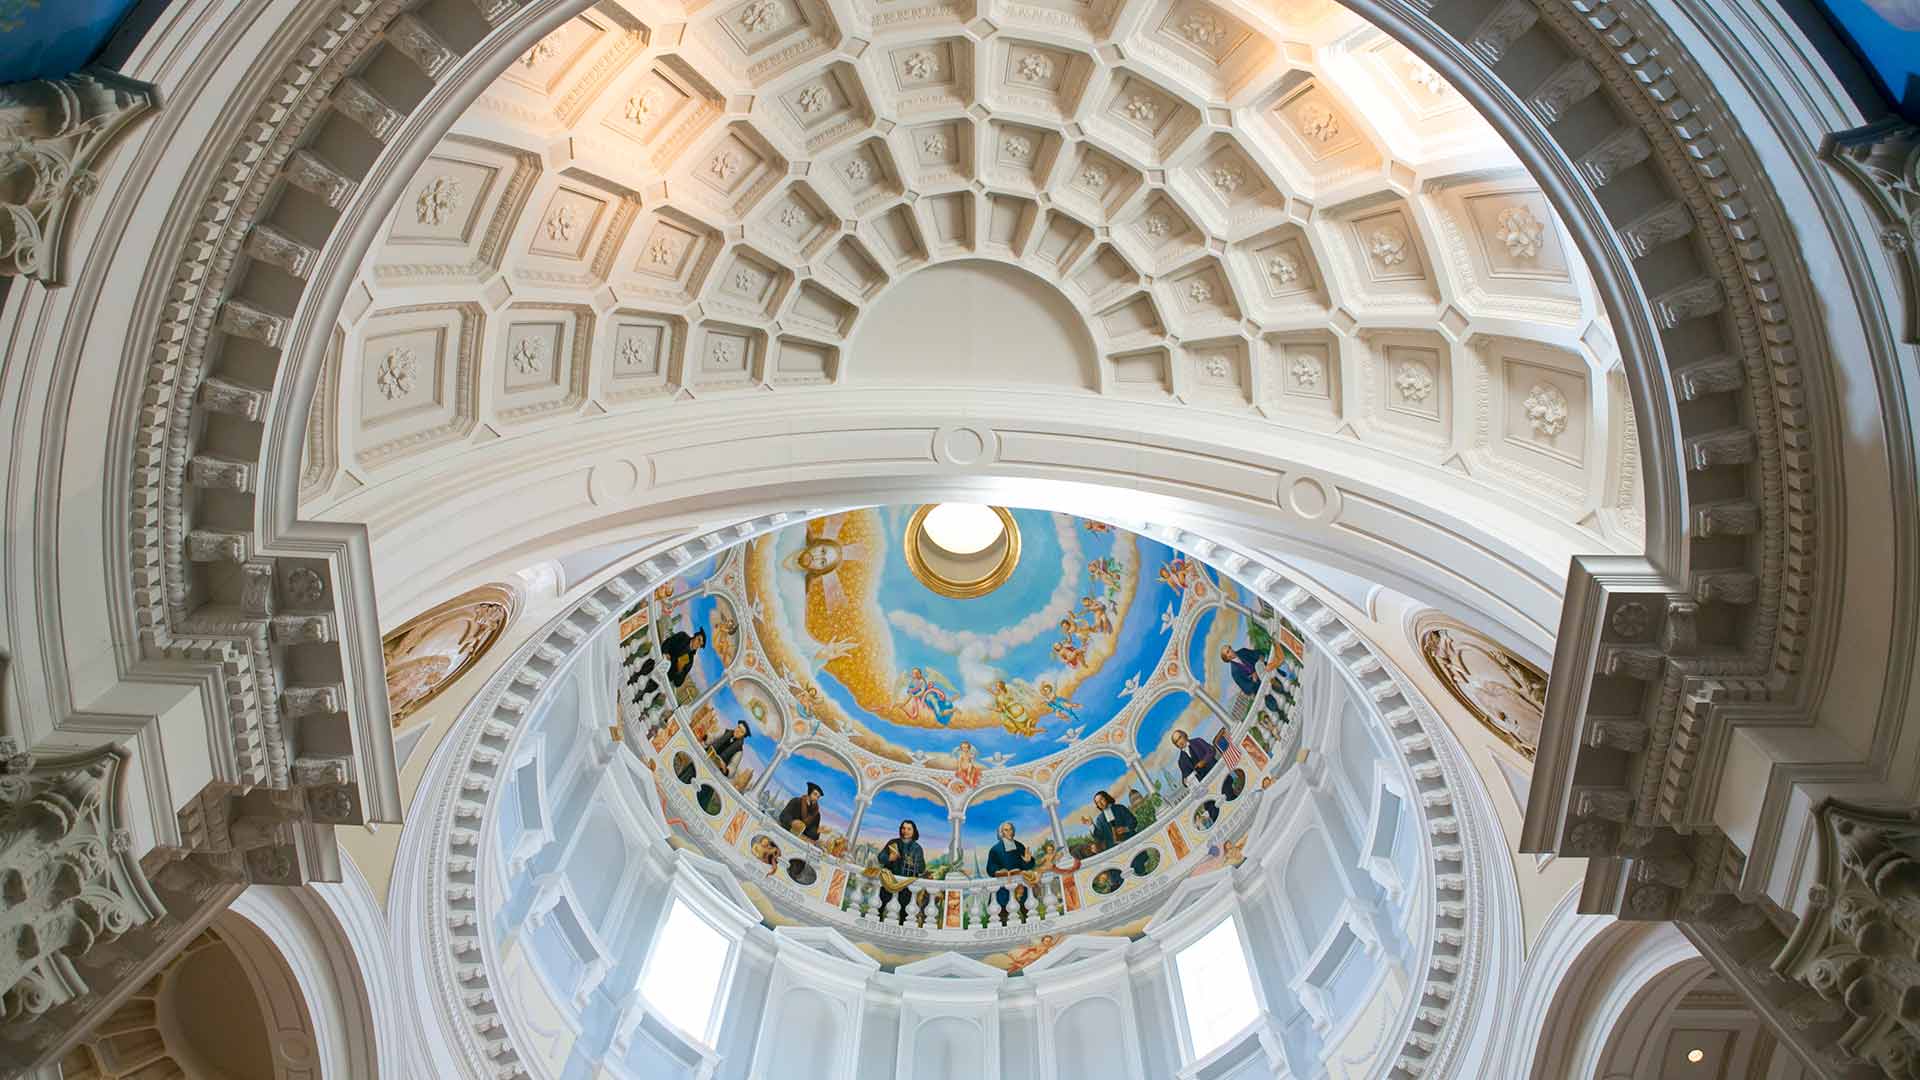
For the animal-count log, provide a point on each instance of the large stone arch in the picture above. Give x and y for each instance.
(118, 629)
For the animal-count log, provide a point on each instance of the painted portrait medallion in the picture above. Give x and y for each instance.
(1505, 693)
(432, 649)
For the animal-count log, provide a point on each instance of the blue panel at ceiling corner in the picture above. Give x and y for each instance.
(45, 39)
(1886, 36)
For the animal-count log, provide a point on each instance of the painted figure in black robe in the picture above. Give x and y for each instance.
(1007, 857)
(1197, 756)
(804, 809)
(903, 858)
(1112, 823)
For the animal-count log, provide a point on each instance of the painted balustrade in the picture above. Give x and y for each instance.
(954, 908)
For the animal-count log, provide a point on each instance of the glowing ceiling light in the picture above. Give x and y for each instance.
(1696, 1056)
(963, 528)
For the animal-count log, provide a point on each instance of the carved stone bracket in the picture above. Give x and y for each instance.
(1883, 160)
(1855, 945)
(52, 132)
(68, 879)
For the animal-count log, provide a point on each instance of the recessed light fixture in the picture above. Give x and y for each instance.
(1696, 1055)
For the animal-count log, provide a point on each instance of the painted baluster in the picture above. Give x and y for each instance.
(1025, 898)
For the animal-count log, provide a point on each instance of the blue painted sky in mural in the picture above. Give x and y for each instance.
(1892, 53)
(992, 658)
(55, 37)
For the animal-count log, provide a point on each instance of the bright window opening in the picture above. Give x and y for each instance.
(1217, 988)
(682, 979)
(963, 528)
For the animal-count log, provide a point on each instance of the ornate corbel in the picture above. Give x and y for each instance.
(1855, 943)
(1883, 160)
(69, 881)
(52, 134)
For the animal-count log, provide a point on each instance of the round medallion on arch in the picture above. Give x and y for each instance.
(1311, 498)
(965, 445)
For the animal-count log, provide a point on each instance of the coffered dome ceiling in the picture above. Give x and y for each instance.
(1295, 221)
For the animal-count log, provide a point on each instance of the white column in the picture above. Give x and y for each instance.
(1059, 834)
(860, 804)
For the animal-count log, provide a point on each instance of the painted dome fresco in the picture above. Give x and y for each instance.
(827, 688)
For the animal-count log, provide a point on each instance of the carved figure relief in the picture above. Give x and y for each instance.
(1035, 67)
(429, 651)
(1507, 695)
(812, 100)
(437, 201)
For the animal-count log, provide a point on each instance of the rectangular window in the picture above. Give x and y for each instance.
(1217, 988)
(682, 980)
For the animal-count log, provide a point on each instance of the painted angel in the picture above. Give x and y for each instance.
(1014, 713)
(1069, 653)
(1106, 571)
(1057, 704)
(1096, 615)
(968, 771)
(823, 556)
(1183, 574)
(928, 692)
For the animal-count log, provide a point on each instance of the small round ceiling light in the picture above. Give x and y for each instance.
(962, 550)
(1696, 1056)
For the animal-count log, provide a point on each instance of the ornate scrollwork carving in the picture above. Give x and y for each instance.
(1883, 159)
(1854, 946)
(52, 133)
(68, 880)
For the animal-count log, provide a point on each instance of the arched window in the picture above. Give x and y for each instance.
(685, 972)
(1216, 988)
